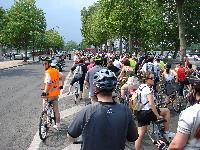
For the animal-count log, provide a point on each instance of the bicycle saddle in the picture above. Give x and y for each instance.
(162, 120)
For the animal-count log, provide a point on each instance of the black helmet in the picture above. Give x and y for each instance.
(105, 79)
(46, 59)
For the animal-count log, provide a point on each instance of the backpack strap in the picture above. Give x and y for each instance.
(141, 99)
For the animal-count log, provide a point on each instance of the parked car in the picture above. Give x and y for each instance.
(28, 55)
(18, 56)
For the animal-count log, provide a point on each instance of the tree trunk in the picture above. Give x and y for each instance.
(180, 4)
(176, 51)
(120, 44)
(33, 47)
(25, 58)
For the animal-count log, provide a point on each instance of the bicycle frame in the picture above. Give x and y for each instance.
(76, 91)
(157, 133)
(46, 120)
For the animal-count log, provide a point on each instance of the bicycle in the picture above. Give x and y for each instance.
(156, 133)
(177, 103)
(47, 119)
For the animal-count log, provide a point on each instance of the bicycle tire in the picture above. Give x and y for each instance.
(53, 118)
(176, 104)
(76, 94)
(43, 128)
(152, 133)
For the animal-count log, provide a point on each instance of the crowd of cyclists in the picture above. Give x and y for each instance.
(107, 122)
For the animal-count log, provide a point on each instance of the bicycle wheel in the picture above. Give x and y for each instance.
(176, 104)
(53, 118)
(152, 133)
(76, 94)
(43, 128)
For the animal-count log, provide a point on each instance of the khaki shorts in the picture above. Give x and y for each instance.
(53, 100)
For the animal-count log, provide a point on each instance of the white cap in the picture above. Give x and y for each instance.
(53, 63)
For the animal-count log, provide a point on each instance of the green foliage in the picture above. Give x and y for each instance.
(70, 45)
(52, 39)
(152, 24)
(23, 20)
(2, 23)
(83, 44)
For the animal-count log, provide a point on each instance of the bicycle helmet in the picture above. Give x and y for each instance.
(105, 79)
(46, 59)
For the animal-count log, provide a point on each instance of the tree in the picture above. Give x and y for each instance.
(83, 44)
(181, 24)
(70, 45)
(53, 39)
(24, 19)
(2, 23)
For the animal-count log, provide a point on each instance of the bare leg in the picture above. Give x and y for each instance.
(57, 113)
(165, 113)
(141, 131)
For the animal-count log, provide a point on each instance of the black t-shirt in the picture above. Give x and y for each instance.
(104, 126)
(113, 69)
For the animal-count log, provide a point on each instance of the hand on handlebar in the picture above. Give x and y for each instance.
(161, 145)
(159, 117)
(44, 94)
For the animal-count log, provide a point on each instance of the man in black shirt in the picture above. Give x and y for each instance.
(112, 67)
(104, 125)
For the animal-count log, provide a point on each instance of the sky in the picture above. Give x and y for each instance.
(62, 15)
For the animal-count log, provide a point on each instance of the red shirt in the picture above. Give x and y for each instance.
(181, 74)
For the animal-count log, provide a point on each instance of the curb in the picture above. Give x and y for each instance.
(23, 63)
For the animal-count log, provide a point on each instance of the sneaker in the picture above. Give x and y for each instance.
(170, 134)
(57, 127)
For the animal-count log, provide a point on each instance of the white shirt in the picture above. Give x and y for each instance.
(150, 66)
(188, 122)
(117, 63)
(168, 77)
(145, 90)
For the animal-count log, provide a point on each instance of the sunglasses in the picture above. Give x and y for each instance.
(45, 64)
(151, 78)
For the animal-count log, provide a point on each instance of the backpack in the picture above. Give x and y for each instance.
(78, 72)
(136, 104)
(150, 67)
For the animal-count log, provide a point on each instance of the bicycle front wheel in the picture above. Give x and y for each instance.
(152, 133)
(176, 104)
(43, 129)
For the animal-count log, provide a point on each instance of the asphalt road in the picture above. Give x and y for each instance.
(21, 106)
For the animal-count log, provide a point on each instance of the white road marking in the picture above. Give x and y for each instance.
(35, 144)
(68, 112)
(73, 147)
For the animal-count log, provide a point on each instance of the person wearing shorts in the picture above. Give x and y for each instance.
(149, 112)
(53, 83)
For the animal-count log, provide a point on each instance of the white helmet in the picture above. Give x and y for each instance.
(53, 63)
